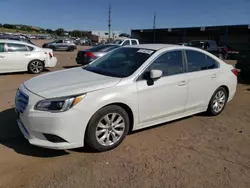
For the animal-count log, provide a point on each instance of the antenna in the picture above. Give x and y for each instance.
(109, 25)
(154, 27)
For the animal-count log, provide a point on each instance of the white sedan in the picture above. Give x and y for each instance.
(128, 89)
(16, 56)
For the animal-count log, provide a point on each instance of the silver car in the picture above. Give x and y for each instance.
(61, 44)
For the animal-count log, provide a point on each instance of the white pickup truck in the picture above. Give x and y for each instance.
(126, 41)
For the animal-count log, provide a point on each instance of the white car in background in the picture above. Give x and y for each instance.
(129, 88)
(16, 56)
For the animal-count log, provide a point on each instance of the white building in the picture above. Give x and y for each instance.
(104, 35)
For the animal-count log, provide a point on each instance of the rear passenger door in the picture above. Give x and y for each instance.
(17, 56)
(202, 78)
(3, 62)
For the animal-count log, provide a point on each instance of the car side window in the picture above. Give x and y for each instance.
(134, 42)
(127, 42)
(1, 47)
(197, 61)
(30, 48)
(59, 41)
(170, 63)
(12, 47)
(211, 63)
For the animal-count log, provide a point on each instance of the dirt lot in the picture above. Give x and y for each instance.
(197, 151)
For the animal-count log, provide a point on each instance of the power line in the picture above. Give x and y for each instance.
(154, 26)
(109, 25)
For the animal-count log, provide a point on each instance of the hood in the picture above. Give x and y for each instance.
(69, 82)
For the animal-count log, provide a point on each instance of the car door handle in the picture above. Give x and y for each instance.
(213, 76)
(27, 54)
(182, 83)
(2, 56)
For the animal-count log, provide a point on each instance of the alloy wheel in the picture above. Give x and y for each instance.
(219, 101)
(36, 66)
(110, 129)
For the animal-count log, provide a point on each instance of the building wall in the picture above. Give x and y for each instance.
(238, 37)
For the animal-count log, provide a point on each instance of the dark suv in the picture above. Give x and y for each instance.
(208, 45)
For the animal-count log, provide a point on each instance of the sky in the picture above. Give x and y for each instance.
(125, 15)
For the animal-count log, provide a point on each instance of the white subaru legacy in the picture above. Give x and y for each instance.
(16, 56)
(128, 89)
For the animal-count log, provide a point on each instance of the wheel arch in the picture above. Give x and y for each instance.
(126, 108)
(226, 88)
(43, 61)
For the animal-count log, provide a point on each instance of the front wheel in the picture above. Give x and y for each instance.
(217, 102)
(107, 128)
(35, 66)
(71, 49)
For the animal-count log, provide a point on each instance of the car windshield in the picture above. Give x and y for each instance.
(117, 41)
(121, 62)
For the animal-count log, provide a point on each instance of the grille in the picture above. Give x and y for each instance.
(21, 101)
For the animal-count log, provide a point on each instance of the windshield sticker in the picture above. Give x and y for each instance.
(145, 51)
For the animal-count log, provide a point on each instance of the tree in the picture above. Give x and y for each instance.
(9, 26)
(50, 31)
(124, 35)
(60, 31)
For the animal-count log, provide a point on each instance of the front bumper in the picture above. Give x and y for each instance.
(69, 125)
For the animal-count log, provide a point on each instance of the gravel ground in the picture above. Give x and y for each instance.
(197, 151)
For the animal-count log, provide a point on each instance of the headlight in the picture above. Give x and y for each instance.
(58, 104)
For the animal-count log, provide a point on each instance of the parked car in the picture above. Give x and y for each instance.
(208, 45)
(182, 43)
(61, 44)
(18, 56)
(228, 52)
(129, 88)
(84, 57)
(243, 63)
(27, 40)
(126, 41)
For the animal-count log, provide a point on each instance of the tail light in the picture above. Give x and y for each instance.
(89, 54)
(235, 72)
(50, 54)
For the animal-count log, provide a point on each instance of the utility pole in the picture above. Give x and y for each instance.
(154, 27)
(109, 25)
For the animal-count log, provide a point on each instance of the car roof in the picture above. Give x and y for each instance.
(14, 41)
(154, 46)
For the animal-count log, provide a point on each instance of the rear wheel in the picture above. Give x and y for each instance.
(35, 66)
(107, 128)
(218, 102)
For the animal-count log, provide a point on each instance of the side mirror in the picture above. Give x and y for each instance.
(155, 74)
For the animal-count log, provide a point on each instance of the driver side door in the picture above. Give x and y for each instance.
(59, 44)
(166, 97)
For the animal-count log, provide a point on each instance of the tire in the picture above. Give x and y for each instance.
(36, 66)
(71, 49)
(215, 101)
(98, 130)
